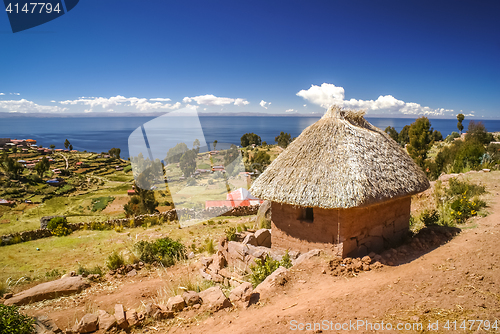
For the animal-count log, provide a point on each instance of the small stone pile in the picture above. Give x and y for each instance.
(350, 266)
(129, 270)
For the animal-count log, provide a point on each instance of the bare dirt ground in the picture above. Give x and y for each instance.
(458, 280)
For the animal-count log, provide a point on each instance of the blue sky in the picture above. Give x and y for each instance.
(393, 58)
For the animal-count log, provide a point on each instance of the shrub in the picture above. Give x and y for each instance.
(230, 233)
(464, 208)
(59, 226)
(266, 267)
(11, 321)
(457, 187)
(99, 226)
(149, 221)
(264, 223)
(89, 271)
(165, 251)
(429, 218)
(115, 261)
(208, 246)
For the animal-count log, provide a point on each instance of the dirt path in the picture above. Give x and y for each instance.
(459, 280)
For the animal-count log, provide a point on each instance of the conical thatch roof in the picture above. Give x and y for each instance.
(341, 161)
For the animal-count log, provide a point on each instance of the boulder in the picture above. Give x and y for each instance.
(106, 320)
(163, 312)
(206, 261)
(307, 256)
(218, 262)
(278, 278)
(131, 316)
(191, 298)
(263, 237)
(87, 324)
(132, 273)
(120, 316)
(264, 213)
(176, 303)
(250, 239)
(49, 290)
(44, 324)
(214, 299)
(241, 294)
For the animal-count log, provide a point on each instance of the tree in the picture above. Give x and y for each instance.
(392, 133)
(284, 139)
(196, 146)
(66, 144)
(437, 136)
(52, 146)
(114, 153)
(250, 139)
(142, 203)
(404, 137)
(187, 163)
(14, 150)
(460, 118)
(12, 167)
(478, 131)
(70, 147)
(229, 157)
(260, 161)
(420, 140)
(42, 166)
(215, 144)
(175, 153)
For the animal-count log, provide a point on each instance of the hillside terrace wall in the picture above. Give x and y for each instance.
(345, 232)
(168, 216)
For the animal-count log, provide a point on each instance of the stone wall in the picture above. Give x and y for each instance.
(168, 216)
(344, 232)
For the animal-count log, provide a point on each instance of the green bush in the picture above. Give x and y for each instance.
(208, 246)
(12, 322)
(429, 218)
(457, 188)
(59, 226)
(150, 221)
(264, 268)
(89, 271)
(230, 233)
(99, 226)
(464, 208)
(115, 261)
(166, 251)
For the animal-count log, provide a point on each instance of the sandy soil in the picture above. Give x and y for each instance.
(456, 280)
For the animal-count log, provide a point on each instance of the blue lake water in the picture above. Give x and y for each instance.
(99, 134)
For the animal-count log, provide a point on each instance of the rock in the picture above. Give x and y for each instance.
(206, 276)
(263, 237)
(106, 320)
(131, 317)
(241, 294)
(206, 261)
(121, 319)
(87, 324)
(8, 295)
(214, 299)
(49, 290)
(176, 303)
(250, 239)
(219, 262)
(191, 298)
(132, 273)
(44, 325)
(277, 278)
(307, 256)
(190, 255)
(163, 313)
(366, 260)
(264, 214)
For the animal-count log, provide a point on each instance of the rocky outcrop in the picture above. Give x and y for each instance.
(278, 278)
(214, 299)
(49, 290)
(87, 324)
(241, 295)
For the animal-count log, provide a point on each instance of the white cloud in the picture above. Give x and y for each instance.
(212, 100)
(264, 103)
(141, 104)
(15, 94)
(25, 106)
(53, 101)
(329, 94)
(290, 110)
(324, 95)
(2, 93)
(160, 99)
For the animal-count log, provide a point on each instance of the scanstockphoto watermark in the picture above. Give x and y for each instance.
(356, 325)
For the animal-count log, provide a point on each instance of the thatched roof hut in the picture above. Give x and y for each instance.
(341, 162)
